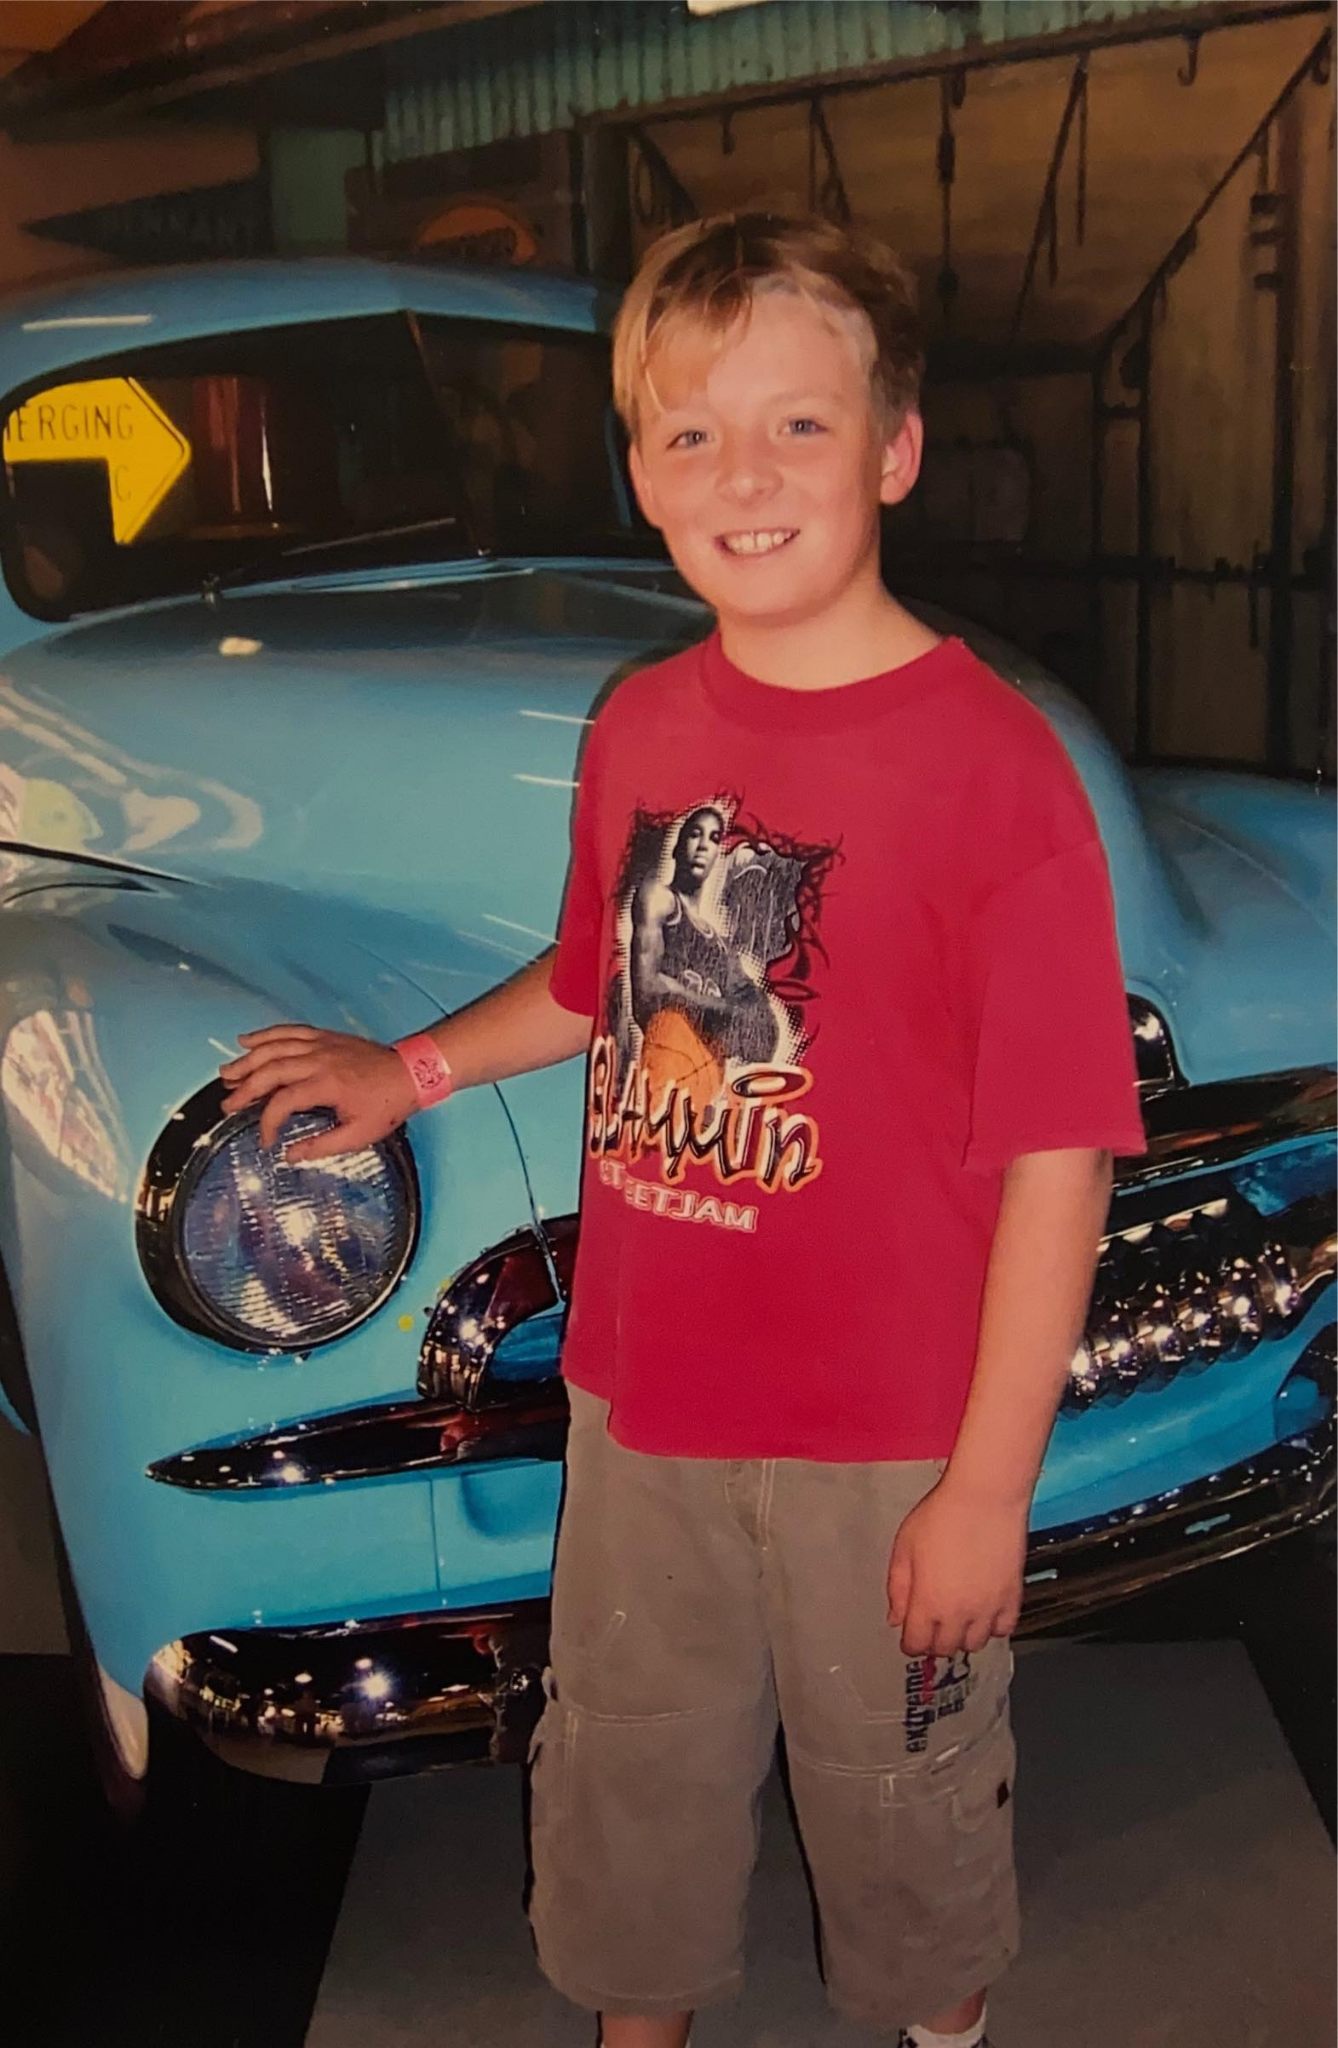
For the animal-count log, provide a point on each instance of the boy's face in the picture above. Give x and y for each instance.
(764, 461)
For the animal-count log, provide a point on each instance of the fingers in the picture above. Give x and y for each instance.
(274, 1073)
(898, 1589)
(917, 1624)
(917, 1638)
(291, 1067)
(351, 1134)
(285, 1103)
(935, 1635)
(350, 1137)
(260, 1044)
(943, 1636)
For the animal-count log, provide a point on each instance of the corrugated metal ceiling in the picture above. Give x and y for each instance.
(558, 64)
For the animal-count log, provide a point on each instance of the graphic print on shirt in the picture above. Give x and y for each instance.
(710, 1012)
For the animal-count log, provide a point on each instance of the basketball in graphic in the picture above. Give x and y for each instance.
(672, 1051)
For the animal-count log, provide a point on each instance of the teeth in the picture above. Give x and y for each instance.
(757, 543)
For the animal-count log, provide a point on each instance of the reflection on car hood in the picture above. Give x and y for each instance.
(410, 746)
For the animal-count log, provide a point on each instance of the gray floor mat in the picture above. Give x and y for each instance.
(1177, 1887)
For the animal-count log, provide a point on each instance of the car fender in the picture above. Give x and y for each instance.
(116, 1005)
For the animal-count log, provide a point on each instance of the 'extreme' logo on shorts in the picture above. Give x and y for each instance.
(933, 1693)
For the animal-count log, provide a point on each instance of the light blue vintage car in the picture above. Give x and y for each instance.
(312, 576)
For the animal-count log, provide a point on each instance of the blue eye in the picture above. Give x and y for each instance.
(806, 427)
(691, 437)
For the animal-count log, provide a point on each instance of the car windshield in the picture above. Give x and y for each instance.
(313, 449)
(531, 414)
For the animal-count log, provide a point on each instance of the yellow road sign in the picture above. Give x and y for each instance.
(111, 420)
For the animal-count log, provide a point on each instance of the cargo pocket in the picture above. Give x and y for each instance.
(948, 1838)
(549, 1759)
(982, 1804)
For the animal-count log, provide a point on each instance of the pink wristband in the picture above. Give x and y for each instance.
(431, 1077)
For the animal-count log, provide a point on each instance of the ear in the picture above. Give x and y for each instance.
(900, 464)
(641, 484)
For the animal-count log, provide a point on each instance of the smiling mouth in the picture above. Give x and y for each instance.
(759, 541)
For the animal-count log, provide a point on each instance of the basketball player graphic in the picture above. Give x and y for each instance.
(711, 1008)
(692, 996)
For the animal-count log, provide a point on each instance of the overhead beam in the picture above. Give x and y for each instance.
(111, 39)
(208, 60)
(1175, 19)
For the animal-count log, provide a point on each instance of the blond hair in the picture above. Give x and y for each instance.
(708, 274)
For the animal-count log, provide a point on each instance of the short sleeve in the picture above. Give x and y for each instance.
(575, 979)
(1054, 1060)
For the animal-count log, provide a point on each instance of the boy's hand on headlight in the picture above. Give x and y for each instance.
(294, 1066)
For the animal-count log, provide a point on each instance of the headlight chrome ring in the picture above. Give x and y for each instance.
(265, 1257)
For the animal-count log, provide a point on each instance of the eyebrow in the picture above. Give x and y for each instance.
(811, 396)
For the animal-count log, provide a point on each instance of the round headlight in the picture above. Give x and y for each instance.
(262, 1255)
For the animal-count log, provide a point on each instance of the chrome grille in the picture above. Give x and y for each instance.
(1205, 1284)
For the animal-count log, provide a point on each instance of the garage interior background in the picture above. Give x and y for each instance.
(1121, 218)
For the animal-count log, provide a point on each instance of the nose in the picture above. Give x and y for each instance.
(748, 468)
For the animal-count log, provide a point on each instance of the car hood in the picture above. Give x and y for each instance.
(408, 747)
(411, 749)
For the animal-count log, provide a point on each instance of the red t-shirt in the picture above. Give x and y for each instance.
(848, 952)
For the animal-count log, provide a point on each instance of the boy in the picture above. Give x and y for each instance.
(839, 907)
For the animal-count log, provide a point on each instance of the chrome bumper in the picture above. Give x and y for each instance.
(356, 1702)
(1076, 1571)
(362, 1701)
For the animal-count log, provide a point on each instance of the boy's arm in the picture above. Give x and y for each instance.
(955, 1576)
(289, 1067)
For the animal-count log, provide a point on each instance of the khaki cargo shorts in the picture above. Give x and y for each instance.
(696, 1602)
